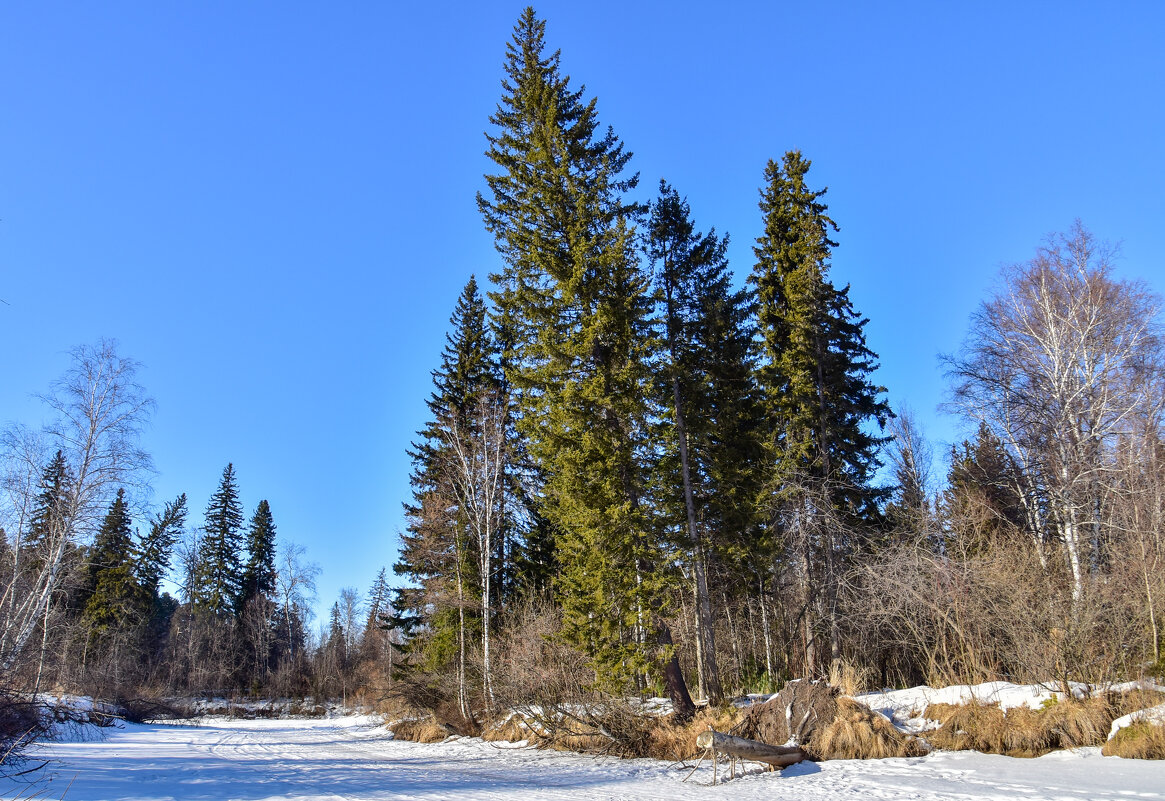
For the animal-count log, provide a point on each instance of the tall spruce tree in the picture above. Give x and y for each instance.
(982, 503)
(576, 306)
(711, 454)
(116, 601)
(219, 573)
(437, 547)
(259, 572)
(819, 399)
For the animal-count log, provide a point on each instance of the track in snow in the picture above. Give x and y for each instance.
(353, 760)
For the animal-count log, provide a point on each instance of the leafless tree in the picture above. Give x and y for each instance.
(295, 581)
(477, 455)
(99, 411)
(1061, 363)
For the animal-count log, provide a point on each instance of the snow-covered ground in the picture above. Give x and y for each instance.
(906, 709)
(354, 758)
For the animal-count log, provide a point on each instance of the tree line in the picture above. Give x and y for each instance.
(640, 475)
(85, 602)
(638, 467)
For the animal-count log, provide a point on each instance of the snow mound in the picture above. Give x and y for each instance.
(906, 709)
(1154, 715)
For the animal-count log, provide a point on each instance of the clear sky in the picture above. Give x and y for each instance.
(271, 205)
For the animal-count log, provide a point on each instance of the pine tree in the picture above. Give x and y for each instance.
(259, 573)
(116, 601)
(219, 572)
(819, 400)
(575, 304)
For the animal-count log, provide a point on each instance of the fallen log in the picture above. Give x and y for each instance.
(779, 756)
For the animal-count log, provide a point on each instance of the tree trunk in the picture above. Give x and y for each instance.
(677, 688)
(779, 756)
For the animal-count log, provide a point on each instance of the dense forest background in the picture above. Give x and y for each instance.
(642, 474)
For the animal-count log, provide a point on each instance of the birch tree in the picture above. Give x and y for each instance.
(1061, 363)
(477, 456)
(99, 411)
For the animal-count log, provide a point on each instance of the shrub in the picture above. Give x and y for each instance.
(1139, 741)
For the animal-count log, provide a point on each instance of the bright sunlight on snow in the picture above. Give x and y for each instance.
(354, 758)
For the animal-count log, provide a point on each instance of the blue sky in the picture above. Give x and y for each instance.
(271, 205)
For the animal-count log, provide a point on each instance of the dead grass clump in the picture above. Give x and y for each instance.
(796, 714)
(1134, 700)
(1027, 733)
(1081, 722)
(1022, 731)
(420, 730)
(827, 725)
(672, 742)
(849, 677)
(974, 726)
(511, 730)
(857, 732)
(1139, 741)
(941, 712)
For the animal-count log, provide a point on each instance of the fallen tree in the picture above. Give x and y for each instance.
(779, 756)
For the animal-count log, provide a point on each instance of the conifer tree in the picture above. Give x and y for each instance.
(576, 306)
(706, 386)
(153, 552)
(379, 601)
(982, 501)
(377, 643)
(437, 547)
(117, 601)
(259, 573)
(48, 514)
(818, 397)
(219, 572)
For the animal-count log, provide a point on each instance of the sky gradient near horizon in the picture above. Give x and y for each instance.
(271, 206)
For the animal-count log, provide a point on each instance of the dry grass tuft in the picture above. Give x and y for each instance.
(675, 743)
(1134, 700)
(511, 730)
(849, 677)
(826, 725)
(1024, 732)
(857, 732)
(1138, 741)
(978, 727)
(424, 730)
(1081, 722)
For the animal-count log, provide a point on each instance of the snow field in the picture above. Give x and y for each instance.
(354, 758)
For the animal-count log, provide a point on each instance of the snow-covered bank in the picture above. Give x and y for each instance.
(906, 709)
(353, 758)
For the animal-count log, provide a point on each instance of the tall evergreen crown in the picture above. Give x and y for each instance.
(219, 574)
